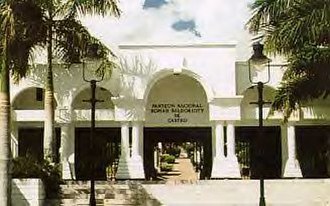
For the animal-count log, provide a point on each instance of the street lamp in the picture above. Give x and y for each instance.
(92, 53)
(259, 62)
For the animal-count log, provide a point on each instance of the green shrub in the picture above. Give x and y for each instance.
(166, 167)
(189, 149)
(29, 167)
(175, 151)
(167, 158)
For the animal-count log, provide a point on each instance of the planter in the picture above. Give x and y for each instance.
(26, 192)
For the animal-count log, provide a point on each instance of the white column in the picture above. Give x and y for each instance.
(14, 140)
(292, 167)
(136, 163)
(231, 141)
(141, 146)
(136, 127)
(124, 140)
(123, 170)
(156, 159)
(232, 162)
(218, 167)
(219, 140)
(67, 151)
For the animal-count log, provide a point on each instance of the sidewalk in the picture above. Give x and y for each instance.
(183, 171)
(281, 192)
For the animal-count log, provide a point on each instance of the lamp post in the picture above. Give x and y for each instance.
(259, 61)
(92, 54)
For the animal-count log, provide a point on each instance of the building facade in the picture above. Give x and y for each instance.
(192, 92)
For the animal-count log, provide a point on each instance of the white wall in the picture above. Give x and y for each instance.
(212, 66)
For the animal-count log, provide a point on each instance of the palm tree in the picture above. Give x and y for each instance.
(71, 39)
(298, 30)
(24, 25)
(21, 27)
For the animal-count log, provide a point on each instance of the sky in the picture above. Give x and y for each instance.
(173, 22)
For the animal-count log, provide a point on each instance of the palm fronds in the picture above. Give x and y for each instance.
(101, 7)
(22, 27)
(298, 29)
(72, 40)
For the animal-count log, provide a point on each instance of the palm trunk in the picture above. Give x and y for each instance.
(49, 130)
(5, 157)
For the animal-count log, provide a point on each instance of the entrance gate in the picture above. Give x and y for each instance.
(259, 156)
(30, 143)
(201, 137)
(107, 150)
(313, 150)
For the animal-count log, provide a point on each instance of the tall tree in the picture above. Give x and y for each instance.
(299, 30)
(25, 24)
(21, 29)
(67, 35)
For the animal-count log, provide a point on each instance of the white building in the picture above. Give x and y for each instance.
(178, 89)
(199, 92)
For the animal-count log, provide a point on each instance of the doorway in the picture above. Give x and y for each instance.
(106, 150)
(259, 156)
(313, 150)
(196, 144)
(31, 143)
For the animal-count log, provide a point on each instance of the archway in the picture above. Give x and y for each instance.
(177, 114)
(101, 93)
(30, 99)
(106, 138)
(250, 111)
(28, 106)
(258, 155)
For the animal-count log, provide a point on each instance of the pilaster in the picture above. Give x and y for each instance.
(135, 162)
(67, 151)
(123, 168)
(232, 166)
(14, 139)
(292, 167)
(219, 160)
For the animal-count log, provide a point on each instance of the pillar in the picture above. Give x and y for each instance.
(123, 170)
(218, 167)
(141, 144)
(232, 162)
(292, 167)
(136, 163)
(67, 151)
(14, 140)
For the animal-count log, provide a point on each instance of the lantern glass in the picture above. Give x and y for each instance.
(259, 65)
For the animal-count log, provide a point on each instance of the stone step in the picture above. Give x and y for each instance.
(106, 193)
(71, 202)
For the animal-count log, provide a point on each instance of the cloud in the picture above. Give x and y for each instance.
(173, 21)
(154, 3)
(186, 25)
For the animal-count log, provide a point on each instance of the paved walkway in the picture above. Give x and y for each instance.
(183, 170)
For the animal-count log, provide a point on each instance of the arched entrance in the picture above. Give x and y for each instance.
(258, 156)
(106, 136)
(177, 118)
(28, 106)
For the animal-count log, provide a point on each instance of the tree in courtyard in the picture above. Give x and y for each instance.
(21, 28)
(67, 36)
(300, 31)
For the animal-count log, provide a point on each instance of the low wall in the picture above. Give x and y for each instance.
(288, 192)
(27, 192)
